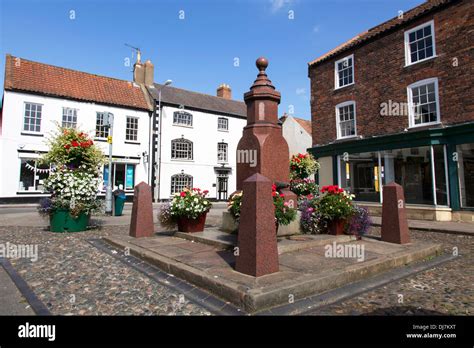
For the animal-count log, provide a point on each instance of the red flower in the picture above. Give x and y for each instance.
(74, 143)
(67, 146)
(282, 195)
(183, 194)
(301, 155)
(274, 193)
(205, 192)
(274, 187)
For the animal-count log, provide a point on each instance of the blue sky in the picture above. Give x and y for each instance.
(198, 52)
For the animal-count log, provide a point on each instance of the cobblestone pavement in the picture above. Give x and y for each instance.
(72, 277)
(446, 289)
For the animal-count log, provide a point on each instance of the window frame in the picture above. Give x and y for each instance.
(75, 115)
(407, 33)
(338, 129)
(226, 129)
(411, 123)
(185, 113)
(336, 72)
(180, 175)
(190, 151)
(35, 174)
(137, 119)
(102, 125)
(226, 152)
(24, 117)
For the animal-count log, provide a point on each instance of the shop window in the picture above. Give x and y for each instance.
(410, 168)
(122, 174)
(32, 175)
(359, 174)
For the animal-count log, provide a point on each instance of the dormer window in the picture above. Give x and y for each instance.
(420, 43)
(182, 118)
(344, 71)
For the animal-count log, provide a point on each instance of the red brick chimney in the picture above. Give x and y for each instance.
(224, 91)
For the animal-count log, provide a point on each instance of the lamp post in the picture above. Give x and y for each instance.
(167, 83)
(109, 123)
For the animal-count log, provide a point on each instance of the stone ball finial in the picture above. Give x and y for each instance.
(262, 63)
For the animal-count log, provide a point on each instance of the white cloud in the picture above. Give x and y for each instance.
(300, 91)
(277, 5)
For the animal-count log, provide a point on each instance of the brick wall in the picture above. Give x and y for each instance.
(381, 75)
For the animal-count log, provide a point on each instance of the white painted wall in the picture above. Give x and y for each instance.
(296, 136)
(205, 136)
(11, 138)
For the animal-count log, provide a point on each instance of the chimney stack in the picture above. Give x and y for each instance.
(138, 70)
(149, 73)
(224, 91)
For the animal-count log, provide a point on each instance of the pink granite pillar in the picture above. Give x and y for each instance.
(262, 148)
(394, 217)
(257, 242)
(141, 224)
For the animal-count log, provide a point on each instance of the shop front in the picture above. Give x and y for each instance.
(434, 166)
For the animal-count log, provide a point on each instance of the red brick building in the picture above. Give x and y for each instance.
(395, 103)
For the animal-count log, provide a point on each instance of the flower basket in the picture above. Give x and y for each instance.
(62, 221)
(336, 227)
(186, 224)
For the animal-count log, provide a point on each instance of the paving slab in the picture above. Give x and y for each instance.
(303, 272)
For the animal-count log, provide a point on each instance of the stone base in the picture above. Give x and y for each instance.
(228, 223)
(302, 273)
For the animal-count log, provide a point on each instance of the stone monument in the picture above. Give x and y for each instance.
(262, 148)
(257, 243)
(394, 217)
(141, 224)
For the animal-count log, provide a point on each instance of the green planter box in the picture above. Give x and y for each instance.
(62, 221)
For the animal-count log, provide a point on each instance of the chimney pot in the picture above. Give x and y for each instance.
(224, 91)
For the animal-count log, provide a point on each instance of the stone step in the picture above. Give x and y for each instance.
(215, 237)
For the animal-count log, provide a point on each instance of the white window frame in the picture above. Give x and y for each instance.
(175, 150)
(180, 178)
(137, 119)
(222, 152)
(24, 116)
(338, 129)
(74, 110)
(336, 72)
(35, 172)
(411, 115)
(103, 113)
(182, 113)
(408, 61)
(219, 124)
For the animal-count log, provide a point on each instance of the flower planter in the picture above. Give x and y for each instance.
(192, 225)
(336, 227)
(62, 221)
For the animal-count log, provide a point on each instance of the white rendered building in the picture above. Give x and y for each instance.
(38, 96)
